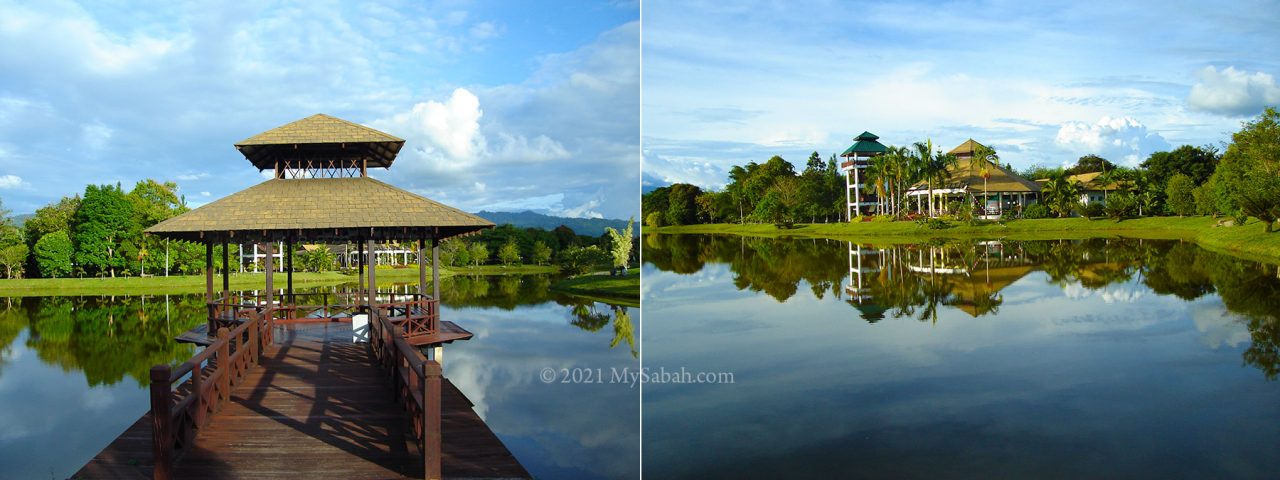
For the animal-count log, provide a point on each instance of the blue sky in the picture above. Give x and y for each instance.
(504, 105)
(1043, 82)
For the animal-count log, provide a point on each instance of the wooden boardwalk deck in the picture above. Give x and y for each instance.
(317, 409)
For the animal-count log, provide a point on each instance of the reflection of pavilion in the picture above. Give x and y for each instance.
(949, 275)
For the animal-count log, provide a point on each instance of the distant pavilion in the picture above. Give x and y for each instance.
(996, 188)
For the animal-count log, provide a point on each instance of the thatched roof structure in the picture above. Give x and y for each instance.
(967, 177)
(321, 137)
(320, 209)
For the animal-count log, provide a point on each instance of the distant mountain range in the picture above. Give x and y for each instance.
(582, 226)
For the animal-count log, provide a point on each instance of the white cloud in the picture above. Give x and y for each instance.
(10, 181)
(485, 30)
(187, 177)
(1233, 92)
(96, 136)
(444, 135)
(205, 194)
(1116, 139)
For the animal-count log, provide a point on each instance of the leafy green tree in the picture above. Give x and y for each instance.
(1061, 194)
(101, 225)
(620, 244)
(933, 166)
(541, 253)
(1120, 205)
(319, 259)
(449, 250)
(656, 219)
(50, 218)
(1248, 176)
(509, 253)
(14, 259)
(1195, 162)
(1180, 195)
(479, 253)
(1090, 163)
(682, 208)
(53, 254)
(580, 260)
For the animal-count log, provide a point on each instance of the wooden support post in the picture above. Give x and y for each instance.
(226, 270)
(269, 265)
(224, 363)
(360, 262)
(288, 266)
(161, 428)
(435, 268)
(372, 292)
(422, 269)
(431, 420)
(208, 272)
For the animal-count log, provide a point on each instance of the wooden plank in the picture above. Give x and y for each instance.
(317, 409)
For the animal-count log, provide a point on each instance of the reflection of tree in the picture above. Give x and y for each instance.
(622, 330)
(587, 318)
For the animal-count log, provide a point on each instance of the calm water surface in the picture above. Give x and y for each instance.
(73, 373)
(1071, 359)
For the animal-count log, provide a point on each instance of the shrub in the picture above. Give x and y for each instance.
(932, 223)
(1035, 210)
(654, 219)
(1091, 210)
(580, 260)
(1120, 205)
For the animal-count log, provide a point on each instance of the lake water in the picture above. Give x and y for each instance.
(73, 373)
(1060, 359)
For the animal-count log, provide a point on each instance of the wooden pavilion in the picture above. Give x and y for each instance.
(994, 187)
(320, 191)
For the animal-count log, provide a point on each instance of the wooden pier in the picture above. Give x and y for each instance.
(316, 409)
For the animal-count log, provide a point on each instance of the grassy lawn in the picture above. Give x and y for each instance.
(1247, 241)
(603, 287)
(181, 284)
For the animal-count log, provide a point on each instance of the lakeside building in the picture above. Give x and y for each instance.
(993, 187)
(858, 155)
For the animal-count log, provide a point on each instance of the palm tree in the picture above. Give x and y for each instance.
(984, 157)
(900, 168)
(1061, 193)
(877, 178)
(934, 167)
(925, 161)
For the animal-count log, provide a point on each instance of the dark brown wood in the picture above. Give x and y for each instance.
(161, 430)
(435, 267)
(422, 267)
(431, 420)
(208, 272)
(288, 266)
(317, 410)
(448, 332)
(226, 268)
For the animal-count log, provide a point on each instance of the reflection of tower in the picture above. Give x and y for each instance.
(860, 268)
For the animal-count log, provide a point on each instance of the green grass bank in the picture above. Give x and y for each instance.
(183, 284)
(624, 290)
(1248, 241)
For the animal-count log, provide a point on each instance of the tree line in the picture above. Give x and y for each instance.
(100, 234)
(1240, 180)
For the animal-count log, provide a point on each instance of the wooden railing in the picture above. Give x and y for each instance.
(204, 386)
(415, 381)
(416, 315)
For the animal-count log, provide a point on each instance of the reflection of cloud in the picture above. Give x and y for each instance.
(1122, 293)
(1219, 327)
(589, 430)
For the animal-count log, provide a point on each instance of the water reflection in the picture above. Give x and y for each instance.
(1073, 359)
(102, 348)
(918, 280)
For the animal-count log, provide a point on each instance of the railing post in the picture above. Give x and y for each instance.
(161, 428)
(431, 420)
(196, 385)
(224, 364)
(255, 348)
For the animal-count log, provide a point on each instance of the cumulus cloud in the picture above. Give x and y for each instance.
(1233, 92)
(444, 135)
(10, 181)
(1119, 139)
